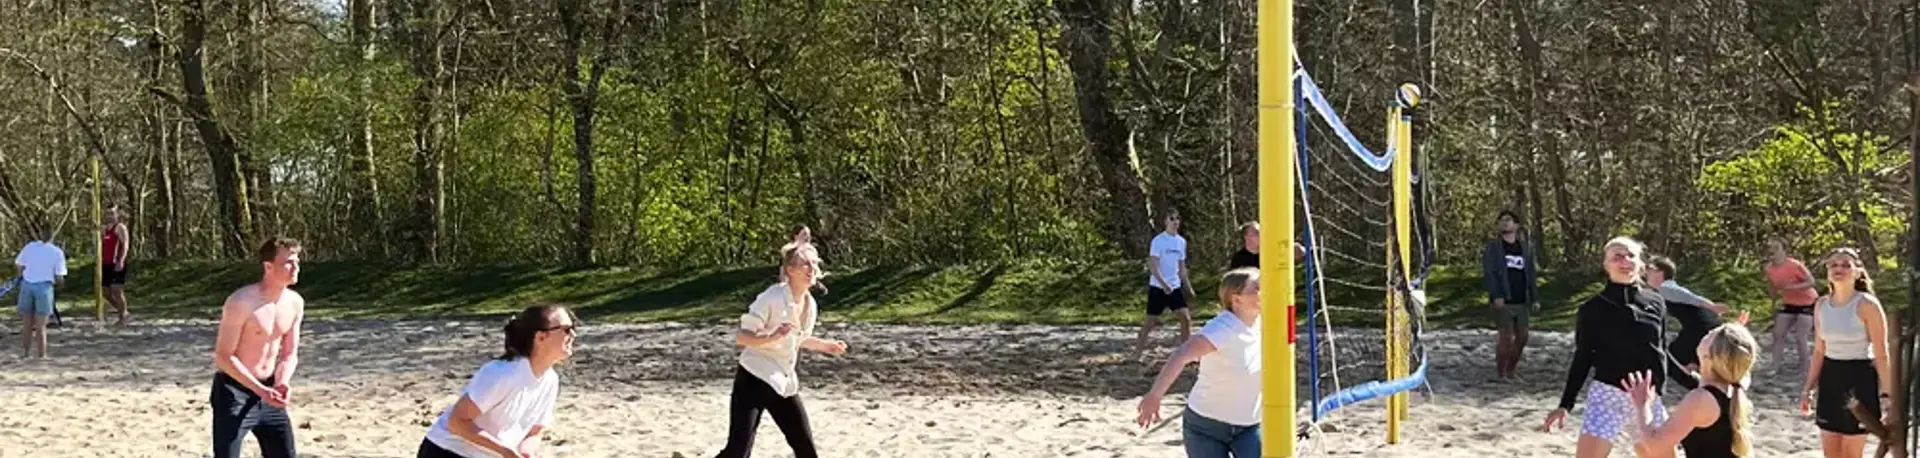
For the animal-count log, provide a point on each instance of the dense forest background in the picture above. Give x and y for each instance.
(682, 133)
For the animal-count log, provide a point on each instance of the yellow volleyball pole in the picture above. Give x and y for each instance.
(1274, 71)
(1403, 226)
(99, 250)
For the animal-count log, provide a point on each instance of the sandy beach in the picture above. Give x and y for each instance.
(371, 388)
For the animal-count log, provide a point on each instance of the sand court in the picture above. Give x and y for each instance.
(371, 388)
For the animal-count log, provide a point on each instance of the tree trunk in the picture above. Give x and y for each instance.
(246, 90)
(583, 93)
(418, 26)
(1538, 84)
(158, 209)
(363, 198)
(222, 151)
(1086, 41)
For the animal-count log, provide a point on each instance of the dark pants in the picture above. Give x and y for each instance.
(237, 411)
(751, 396)
(428, 449)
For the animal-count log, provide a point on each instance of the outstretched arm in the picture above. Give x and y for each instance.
(1195, 348)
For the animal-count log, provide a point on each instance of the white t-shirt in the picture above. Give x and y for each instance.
(774, 361)
(1228, 389)
(1172, 251)
(43, 261)
(511, 400)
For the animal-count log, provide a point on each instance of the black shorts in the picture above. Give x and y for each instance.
(1159, 301)
(1841, 381)
(112, 277)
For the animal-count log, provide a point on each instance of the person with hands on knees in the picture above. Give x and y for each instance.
(776, 326)
(1620, 331)
(508, 405)
(1850, 358)
(1713, 420)
(1222, 418)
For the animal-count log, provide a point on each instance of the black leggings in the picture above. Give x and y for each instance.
(751, 396)
(237, 411)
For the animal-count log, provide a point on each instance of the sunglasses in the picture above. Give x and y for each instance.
(569, 329)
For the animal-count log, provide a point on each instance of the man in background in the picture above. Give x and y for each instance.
(1508, 269)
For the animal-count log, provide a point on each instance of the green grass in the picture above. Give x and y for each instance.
(1032, 291)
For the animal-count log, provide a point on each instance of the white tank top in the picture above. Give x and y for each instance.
(1842, 330)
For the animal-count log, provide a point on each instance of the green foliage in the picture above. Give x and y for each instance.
(1802, 180)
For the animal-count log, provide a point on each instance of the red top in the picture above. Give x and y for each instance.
(1788, 273)
(110, 245)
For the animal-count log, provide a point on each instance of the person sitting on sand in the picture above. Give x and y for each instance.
(1222, 418)
(776, 326)
(1712, 421)
(509, 403)
(1620, 331)
(256, 350)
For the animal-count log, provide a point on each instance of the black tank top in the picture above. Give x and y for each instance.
(1715, 440)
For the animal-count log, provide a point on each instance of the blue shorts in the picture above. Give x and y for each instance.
(36, 299)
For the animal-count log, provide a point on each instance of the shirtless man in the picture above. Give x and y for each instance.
(255, 353)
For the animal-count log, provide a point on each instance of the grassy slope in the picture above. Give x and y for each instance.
(1034, 291)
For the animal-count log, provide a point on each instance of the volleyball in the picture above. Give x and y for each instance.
(1409, 96)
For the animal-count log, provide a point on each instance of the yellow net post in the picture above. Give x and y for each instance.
(1403, 228)
(99, 251)
(1393, 347)
(1274, 71)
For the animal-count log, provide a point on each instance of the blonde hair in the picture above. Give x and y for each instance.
(1234, 282)
(1632, 246)
(800, 252)
(1730, 354)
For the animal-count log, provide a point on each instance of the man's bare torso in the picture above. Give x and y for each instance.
(267, 323)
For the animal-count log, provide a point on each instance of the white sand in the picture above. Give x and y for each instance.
(367, 389)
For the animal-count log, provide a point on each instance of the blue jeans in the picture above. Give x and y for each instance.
(1210, 438)
(36, 299)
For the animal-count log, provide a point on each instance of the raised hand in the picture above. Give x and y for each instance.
(1640, 388)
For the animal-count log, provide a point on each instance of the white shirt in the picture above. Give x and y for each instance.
(1228, 389)
(43, 261)
(511, 400)
(1172, 251)
(774, 361)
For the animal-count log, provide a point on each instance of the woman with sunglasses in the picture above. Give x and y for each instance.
(775, 328)
(509, 403)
